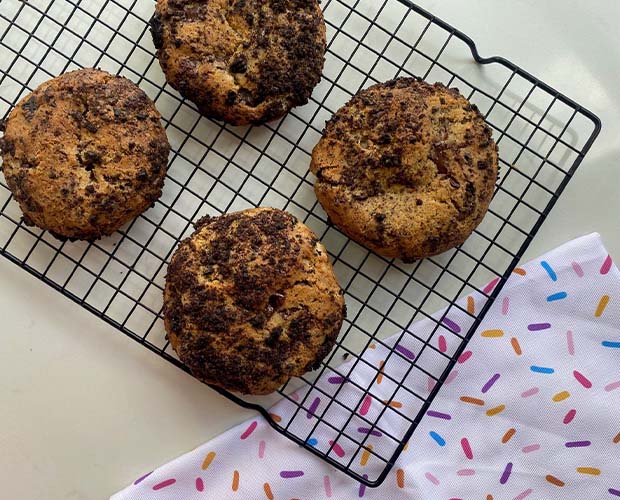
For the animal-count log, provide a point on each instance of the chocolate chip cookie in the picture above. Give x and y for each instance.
(84, 153)
(251, 300)
(406, 168)
(241, 61)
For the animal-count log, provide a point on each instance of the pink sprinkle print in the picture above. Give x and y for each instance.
(246, 434)
(328, 486)
(200, 485)
(606, 265)
(443, 345)
(582, 379)
(464, 357)
(570, 343)
(612, 386)
(452, 376)
(530, 392)
(568, 418)
(164, 484)
(261, 449)
(465, 472)
(295, 396)
(523, 495)
(432, 478)
(489, 288)
(577, 268)
(505, 305)
(467, 449)
(365, 405)
(142, 478)
(530, 448)
(506, 473)
(337, 449)
(430, 384)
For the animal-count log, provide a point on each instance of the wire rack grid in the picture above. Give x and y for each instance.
(215, 168)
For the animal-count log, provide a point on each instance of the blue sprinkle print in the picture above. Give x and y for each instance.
(557, 296)
(549, 269)
(613, 345)
(437, 438)
(542, 369)
(312, 441)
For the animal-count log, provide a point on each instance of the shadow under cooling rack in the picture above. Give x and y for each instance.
(406, 326)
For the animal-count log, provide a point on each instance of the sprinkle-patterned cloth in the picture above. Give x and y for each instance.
(530, 411)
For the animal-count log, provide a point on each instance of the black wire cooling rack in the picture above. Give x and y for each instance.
(214, 168)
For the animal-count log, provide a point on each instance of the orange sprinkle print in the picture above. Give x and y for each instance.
(235, 481)
(515, 346)
(394, 404)
(508, 436)
(496, 410)
(400, 478)
(520, 271)
(471, 305)
(492, 334)
(208, 459)
(372, 346)
(601, 306)
(276, 418)
(366, 455)
(473, 401)
(489, 497)
(554, 480)
(617, 438)
(380, 376)
(561, 396)
(268, 492)
(589, 470)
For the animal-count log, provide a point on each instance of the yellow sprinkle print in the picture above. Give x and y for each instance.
(589, 470)
(496, 410)
(471, 305)
(601, 306)
(492, 333)
(208, 459)
(366, 455)
(561, 396)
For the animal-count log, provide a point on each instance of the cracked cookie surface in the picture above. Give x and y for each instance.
(84, 153)
(241, 61)
(251, 300)
(406, 168)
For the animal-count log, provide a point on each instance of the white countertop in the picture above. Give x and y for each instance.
(84, 410)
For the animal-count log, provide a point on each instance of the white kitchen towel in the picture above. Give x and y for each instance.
(531, 410)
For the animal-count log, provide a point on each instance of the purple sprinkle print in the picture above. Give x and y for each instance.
(336, 380)
(405, 352)
(452, 325)
(489, 384)
(313, 407)
(363, 487)
(289, 474)
(366, 430)
(535, 327)
(438, 414)
(577, 444)
(614, 492)
(140, 479)
(506, 473)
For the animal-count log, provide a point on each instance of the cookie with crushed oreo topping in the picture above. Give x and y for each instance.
(406, 168)
(241, 61)
(251, 300)
(84, 153)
